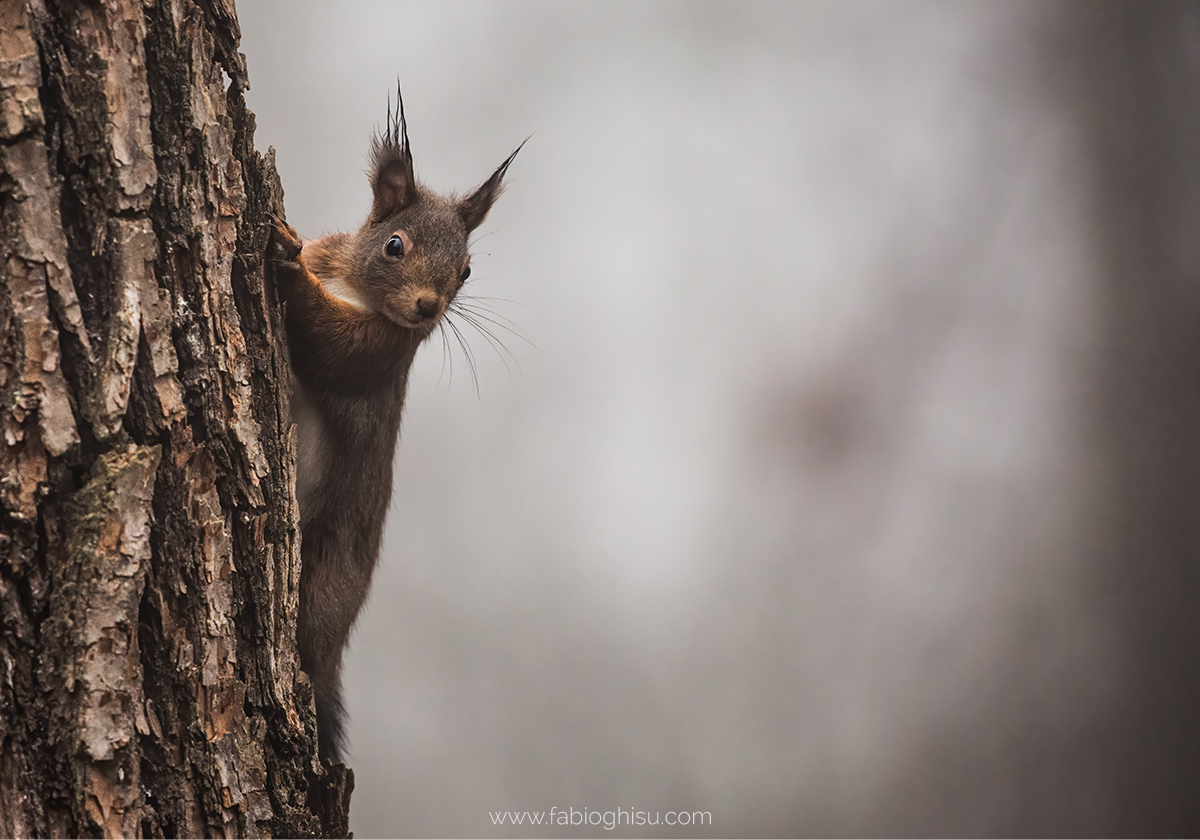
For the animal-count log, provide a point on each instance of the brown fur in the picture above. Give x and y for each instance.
(350, 365)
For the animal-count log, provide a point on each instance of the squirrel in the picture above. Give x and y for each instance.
(357, 308)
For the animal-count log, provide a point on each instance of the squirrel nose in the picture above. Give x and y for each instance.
(426, 306)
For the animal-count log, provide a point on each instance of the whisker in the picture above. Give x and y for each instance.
(488, 302)
(495, 319)
(495, 342)
(466, 352)
(477, 321)
(501, 300)
(446, 354)
(475, 239)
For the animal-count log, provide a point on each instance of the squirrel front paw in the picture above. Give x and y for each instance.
(285, 241)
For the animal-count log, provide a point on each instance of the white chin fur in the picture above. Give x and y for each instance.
(341, 290)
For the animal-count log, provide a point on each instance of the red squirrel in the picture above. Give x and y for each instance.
(357, 308)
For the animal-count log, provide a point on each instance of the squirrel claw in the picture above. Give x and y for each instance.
(287, 241)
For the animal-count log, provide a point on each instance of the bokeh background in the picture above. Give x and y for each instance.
(837, 473)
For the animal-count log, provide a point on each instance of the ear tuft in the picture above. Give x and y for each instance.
(391, 174)
(474, 208)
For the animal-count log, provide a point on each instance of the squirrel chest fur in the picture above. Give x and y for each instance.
(358, 307)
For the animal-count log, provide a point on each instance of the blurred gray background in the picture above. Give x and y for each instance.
(847, 481)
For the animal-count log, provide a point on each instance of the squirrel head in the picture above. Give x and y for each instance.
(411, 256)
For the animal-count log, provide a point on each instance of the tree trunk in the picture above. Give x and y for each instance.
(1132, 71)
(149, 561)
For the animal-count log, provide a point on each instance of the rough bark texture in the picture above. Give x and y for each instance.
(149, 560)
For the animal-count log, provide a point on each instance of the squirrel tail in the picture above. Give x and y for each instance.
(331, 718)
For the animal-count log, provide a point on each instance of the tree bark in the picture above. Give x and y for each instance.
(149, 562)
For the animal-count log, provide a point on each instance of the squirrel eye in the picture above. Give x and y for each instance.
(462, 278)
(394, 247)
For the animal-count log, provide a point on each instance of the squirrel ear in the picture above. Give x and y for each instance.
(392, 179)
(394, 188)
(474, 208)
